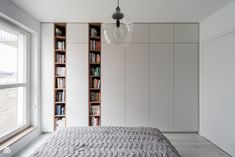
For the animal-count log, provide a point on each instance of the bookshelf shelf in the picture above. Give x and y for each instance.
(94, 61)
(95, 50)
(94, 88)
(94, 115)
(95, 38)
(60, 102)
(60, 37)
(58, 50)
(59, 75)
(57, 116)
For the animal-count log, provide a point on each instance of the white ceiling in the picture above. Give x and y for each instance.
(137, 10)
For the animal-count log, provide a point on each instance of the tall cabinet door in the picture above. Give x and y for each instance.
(77, 85)
(113, 85)
(161, 86)
(186, 87)
(77, 75)
(137, 85)
(47, 76)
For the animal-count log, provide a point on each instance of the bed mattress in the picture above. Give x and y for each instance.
(107, 142)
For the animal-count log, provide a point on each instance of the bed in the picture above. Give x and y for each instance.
(107, 142)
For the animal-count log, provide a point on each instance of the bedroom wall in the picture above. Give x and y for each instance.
(14, 14)
(217, 78)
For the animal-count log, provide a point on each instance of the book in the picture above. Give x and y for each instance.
(94, 96)
(60, 58)
(93, 32)
(60, 45)
(95, 110)
(60, 83)
(60, 71)
(60, 97)
(60, 123)
(95, 121)
(95, 71)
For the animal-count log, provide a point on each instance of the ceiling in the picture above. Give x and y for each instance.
(137, 10)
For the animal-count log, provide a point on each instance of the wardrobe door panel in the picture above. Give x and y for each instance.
(161, 33)
(77, 33)
(77, 85)
(186, 87)
(140, 33)
(137, 85)
(113, 86)
(186, 33)
(161, 86)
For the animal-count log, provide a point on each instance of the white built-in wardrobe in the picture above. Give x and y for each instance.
(153, 82)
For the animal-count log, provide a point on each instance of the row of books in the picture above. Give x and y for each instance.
(60, 96)
(60, 58)
(60, 83)
(95, 71)
(95, 110)
(58, 32)
(60, 71)
(93, 32)
(60, 123)
(95, 121)
(95, 96)
(94, 58)
(95, 45)
(60, 45)
(60, 110)
(95, 83)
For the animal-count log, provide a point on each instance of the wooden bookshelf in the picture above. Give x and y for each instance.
(59, 75)
(94, 60)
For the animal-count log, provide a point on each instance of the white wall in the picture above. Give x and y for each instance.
(17, 16)
(217, 78)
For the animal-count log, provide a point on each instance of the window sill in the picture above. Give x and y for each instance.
(16, 138)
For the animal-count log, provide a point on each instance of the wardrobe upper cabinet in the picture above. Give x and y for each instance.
(77, 33)
(137, 85)
(113, 85)
(186, 87)
(140, 33)
(47, 33)
(186, 33)
(161, 86)
(161, 33)
(77, 85)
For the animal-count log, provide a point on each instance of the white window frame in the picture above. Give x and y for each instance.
(25, 85)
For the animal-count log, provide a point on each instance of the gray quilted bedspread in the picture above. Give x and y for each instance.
(107, 142)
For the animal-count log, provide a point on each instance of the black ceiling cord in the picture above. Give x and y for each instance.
(118, 15)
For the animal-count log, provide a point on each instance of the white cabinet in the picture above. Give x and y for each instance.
(137, 85)
(140, 33)
(186, 33)
(113, 86)
(161, 86)
(161, 33)
(186, 87)
(47, 77)
(77, 33)
(77, 85)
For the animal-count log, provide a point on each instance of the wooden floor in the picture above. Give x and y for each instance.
(187, 144)
(194, 145)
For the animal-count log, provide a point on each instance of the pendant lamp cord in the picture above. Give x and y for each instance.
(118, 2)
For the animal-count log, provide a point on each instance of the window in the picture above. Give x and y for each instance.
(14, 81)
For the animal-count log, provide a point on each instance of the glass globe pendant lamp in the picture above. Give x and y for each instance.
(117, 29)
